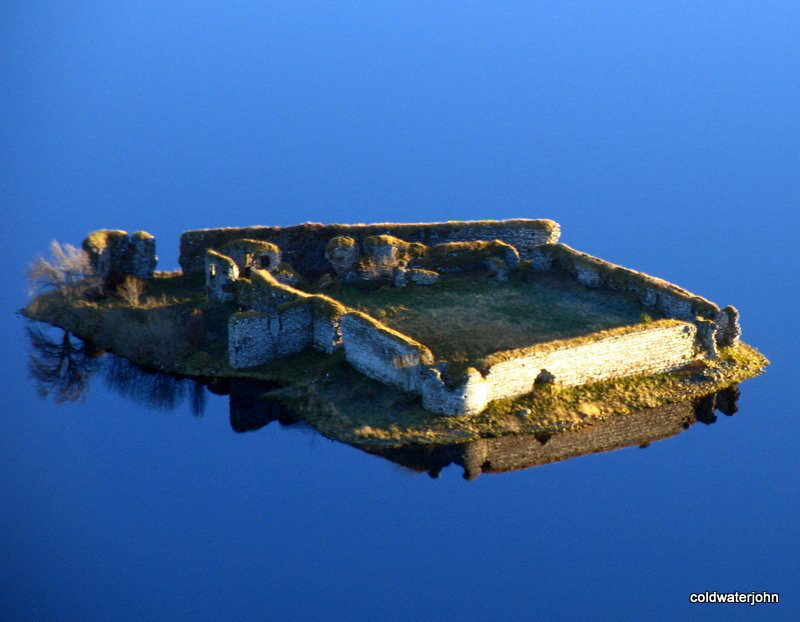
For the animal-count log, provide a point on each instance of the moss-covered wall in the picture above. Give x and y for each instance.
(303, 246)
(253, 254)
(114, 254)
(669, 299)
(654, 347)
(642, 349)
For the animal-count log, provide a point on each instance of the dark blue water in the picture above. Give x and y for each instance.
(664, 137)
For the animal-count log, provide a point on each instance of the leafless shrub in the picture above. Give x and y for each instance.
(67, 271)
(131, 290)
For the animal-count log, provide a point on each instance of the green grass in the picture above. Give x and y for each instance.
(464, 318)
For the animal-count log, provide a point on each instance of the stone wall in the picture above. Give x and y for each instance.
(641, 349)
(257, 338)
(282, 321)
(292, 320)
(221, 274)
(383, 354)
(114, 254)
(669, 299)
(303, 246)
(250, 254)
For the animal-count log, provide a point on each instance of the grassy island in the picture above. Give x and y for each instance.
(168, 323)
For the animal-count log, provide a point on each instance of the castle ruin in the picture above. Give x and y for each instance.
(260, 270)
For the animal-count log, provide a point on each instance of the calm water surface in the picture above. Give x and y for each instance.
(142, 501)
(663, 138)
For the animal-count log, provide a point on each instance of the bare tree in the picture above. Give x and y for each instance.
(68, 271)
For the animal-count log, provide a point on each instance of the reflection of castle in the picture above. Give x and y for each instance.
(251, 409)
(498, 455)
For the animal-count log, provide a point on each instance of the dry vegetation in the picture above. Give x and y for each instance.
(150, 322)
(463, 318)
(67, 271)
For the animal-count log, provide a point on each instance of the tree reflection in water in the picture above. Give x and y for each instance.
(63, 365)
(151, 388)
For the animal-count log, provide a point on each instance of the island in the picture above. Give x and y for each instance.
(392, 334)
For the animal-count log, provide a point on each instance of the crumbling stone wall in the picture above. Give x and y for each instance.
(304, 245)
(114, 254)
(642, 349)
(466, 256)
(390, 357)
(250, 254)
(470, 397)
(257, 338)
(342, 253)
(282, 321)
(290, 320)
(221, 274)
(383, 354)
(669, 299)
(390, 259)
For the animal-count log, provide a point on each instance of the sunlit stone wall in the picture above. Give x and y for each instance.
(303, 246)
(669, 299)
(114, 254)
(645, 349)
(257, 338)
(383, 354)
(221, 272)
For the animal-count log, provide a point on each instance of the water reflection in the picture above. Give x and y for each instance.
(499, 455)
(63, 365)
(60, 366)
(250, 410)
(151, 388)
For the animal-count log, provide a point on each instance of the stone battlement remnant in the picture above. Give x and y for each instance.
(115, 254)
(304, 246)
(273, 279)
